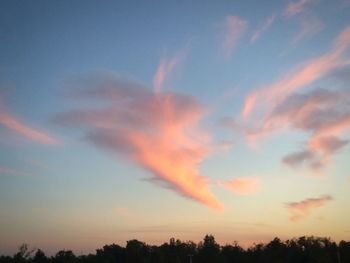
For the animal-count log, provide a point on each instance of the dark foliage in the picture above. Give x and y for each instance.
(300, 250)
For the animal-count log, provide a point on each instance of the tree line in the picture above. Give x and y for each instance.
(297, 250)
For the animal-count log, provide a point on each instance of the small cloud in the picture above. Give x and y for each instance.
(16, 126)
(242, 185)
(297, 158)
(294, 8)
(10, 171)
(267, 24)
(302, 209)
(165, 69)
(234, 28)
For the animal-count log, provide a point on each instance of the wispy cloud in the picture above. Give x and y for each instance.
(323, 113)
(11, 171)
(267, 24)
(159, 131)
(294, 8)
(302, 209)
(18, 127)
(297, 79)
(233, 28)
(165, 69)
(242, 185)
(309, 26)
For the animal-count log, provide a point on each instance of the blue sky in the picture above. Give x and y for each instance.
(123, 120)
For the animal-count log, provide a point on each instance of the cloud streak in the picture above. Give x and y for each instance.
(234, 28)
(294, 8)
(267, 24)
(165, 69)
(19, 128)
(158, 131)
(10, 171)
(300, 210)
(322, 113)
(311, 71)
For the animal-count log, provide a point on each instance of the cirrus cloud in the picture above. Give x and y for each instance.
(323, 113)
(294, 8)
(260, 100)
(267, 24)
(233, 28)
(18, 127)
(165, 69)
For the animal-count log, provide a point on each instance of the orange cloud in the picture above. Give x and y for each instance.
(300, 210)
(15, 125)
(158, 131)
(294, 8)
(165, 69)
(313, 70)
(268, 22)
(234, 28)
(242, 185)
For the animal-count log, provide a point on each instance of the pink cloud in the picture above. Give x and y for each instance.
(158, 131)
(323, 113)
(242, 185)
(234, 28)
(311, 71)
(19, 128)
(165, 69)
(267, 24)
(302, 209)
(10, 171)
(294, 8)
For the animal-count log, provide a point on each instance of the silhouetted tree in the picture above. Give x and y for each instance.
(209, 250)
(64, 256)
(23, 254)
(232, 253)
(136, 252)
(40, 257)
(275, 251)
(111, 253)
(297, 250)
(344, 251)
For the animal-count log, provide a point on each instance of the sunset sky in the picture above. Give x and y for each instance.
(160, 119)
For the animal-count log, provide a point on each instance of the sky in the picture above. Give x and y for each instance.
(160, 119)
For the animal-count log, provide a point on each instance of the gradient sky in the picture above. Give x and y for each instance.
(159, 119)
